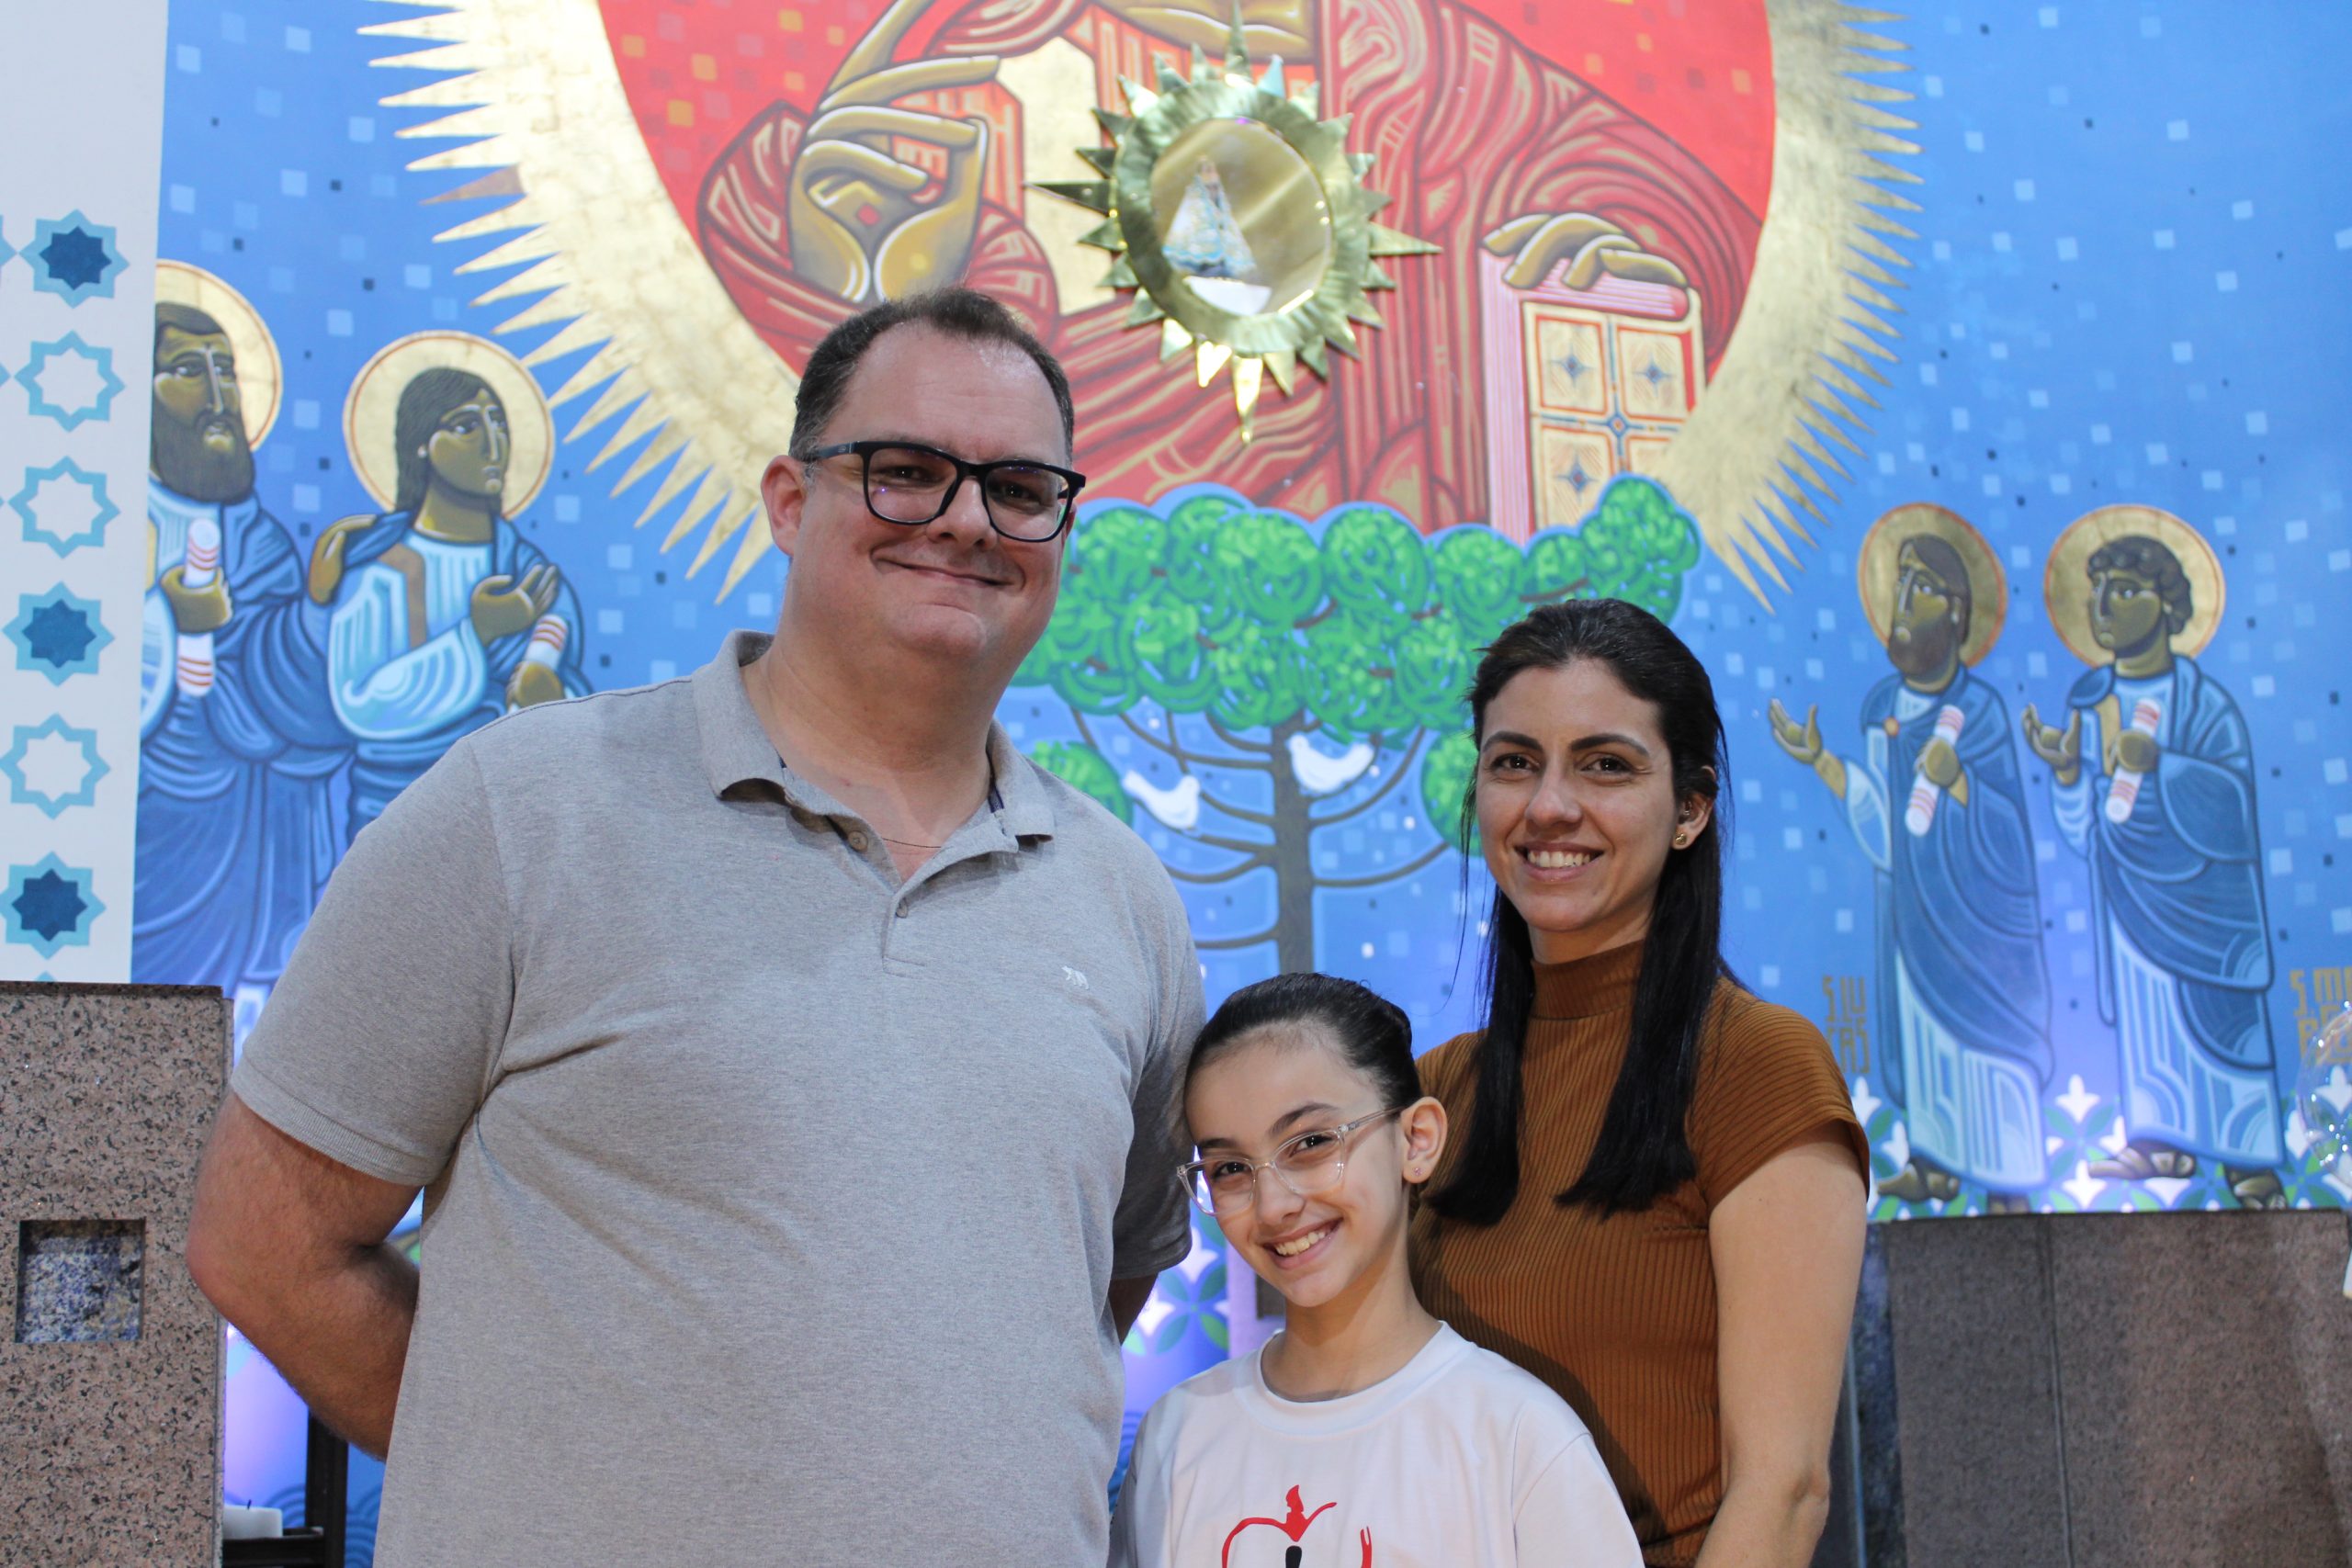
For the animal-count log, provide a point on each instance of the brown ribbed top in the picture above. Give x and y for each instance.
(1618, 1314)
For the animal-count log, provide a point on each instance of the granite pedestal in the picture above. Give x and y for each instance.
(2099, 1391)
(110, 1364)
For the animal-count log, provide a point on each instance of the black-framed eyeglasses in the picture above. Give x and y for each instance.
(912, 485)
(1309, 1163)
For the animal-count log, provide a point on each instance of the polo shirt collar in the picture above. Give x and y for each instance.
(735, 748)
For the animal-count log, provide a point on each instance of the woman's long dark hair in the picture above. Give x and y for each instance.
(1644, 1151)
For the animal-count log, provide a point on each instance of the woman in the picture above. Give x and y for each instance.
(1658, 1207)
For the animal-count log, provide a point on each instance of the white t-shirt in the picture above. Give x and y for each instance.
(1458, 1458)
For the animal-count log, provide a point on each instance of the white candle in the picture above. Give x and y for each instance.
(241, 1523)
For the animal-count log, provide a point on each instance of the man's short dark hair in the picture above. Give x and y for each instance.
(959, 312)
(2151, 558)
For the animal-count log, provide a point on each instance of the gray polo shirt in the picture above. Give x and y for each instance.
(771, 1203)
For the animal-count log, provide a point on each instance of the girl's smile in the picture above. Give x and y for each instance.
(1333, 1243)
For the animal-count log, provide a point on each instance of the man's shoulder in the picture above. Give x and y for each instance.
(1086, 826)
(605, 737)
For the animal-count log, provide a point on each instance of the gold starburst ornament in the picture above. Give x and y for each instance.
(1241, 221)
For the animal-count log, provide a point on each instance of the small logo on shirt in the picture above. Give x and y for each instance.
(1294, 1523)
(1075, 978)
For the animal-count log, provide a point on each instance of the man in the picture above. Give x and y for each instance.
(236, 819)
(1959, 919)
(2184, 957)
(790, 1063)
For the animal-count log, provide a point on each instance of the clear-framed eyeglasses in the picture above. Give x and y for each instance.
(1308, 1164)
(911, 485)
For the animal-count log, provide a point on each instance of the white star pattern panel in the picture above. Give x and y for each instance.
(77, 285)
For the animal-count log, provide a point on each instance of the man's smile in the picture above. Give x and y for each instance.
(945, 572)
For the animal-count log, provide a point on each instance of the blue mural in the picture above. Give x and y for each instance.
(2045, 624)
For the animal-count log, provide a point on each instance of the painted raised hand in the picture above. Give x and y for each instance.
(857, 217)
(1539, 242)
(2060, 750)
(500, 606)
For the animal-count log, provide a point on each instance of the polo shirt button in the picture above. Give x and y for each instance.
(902, 911)
(857, 843)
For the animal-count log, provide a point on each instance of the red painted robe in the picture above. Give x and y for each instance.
(1471, 128)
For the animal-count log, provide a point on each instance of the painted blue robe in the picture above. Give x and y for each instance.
(1963, 990)
(239, 820)
(405, 698)
(2184, 952)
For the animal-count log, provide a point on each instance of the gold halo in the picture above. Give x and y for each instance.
(261, 375)
(2066, 582)
(1988, 585)
(375, 398)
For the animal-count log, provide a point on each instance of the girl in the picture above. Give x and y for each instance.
(1366, 1433)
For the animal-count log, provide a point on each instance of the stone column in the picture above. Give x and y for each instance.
(110, 1364)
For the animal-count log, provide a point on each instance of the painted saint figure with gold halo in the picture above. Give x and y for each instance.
(2152, 781)
(441, 615)
(1936, 799)
(238, 746)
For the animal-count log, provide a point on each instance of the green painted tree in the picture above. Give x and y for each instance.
(1357, 631)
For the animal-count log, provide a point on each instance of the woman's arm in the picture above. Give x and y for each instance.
(1787, 1245)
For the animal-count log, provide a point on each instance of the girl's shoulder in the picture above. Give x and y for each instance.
(1206, 1400)
(1225, 1381)
(1506, 1393)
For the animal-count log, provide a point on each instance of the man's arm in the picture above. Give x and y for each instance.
(289, 1246)
(1127, 1297)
